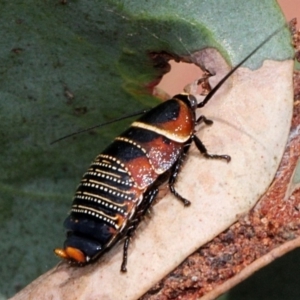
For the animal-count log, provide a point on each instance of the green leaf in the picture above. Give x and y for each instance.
(68, 67)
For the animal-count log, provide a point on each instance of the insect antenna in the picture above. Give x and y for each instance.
(100, 125)
(201, 104)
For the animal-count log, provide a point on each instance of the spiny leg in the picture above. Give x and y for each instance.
(149, 197)
(174, 174)
(203, 150)
(201, 147)
(125, 254)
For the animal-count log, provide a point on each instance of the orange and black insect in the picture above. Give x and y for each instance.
(122, 182)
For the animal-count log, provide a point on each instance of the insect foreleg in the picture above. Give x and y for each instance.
(203, 119)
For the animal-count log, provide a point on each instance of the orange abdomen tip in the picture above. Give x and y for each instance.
(75, 254)
(61, 253)
(71, 253)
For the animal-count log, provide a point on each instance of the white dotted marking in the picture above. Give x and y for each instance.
(101, 200)
(95, 213)
(123, 139)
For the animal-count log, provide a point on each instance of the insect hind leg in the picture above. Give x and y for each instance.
(149, 197)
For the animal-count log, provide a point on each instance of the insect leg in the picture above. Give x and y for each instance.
(174, 174)
(201, 147)
(203, 150)
(149, 197)
(203, 119)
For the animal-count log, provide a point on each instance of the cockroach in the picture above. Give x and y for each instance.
(122, 182)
